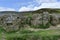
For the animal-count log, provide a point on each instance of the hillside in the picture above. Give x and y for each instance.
(42, 24)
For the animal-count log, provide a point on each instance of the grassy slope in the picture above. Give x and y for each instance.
(41, 33)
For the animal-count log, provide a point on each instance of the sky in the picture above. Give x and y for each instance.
(27, 5)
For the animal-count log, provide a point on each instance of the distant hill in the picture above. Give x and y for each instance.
(35, 11)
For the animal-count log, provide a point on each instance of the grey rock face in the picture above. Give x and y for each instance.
(54, 19)
(13, 22)
(35, 19)
(10, 23)
(39, 19)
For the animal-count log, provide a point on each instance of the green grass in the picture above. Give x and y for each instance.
(42, 33)
(24, 34)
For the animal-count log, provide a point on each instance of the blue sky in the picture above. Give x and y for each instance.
(16, 5)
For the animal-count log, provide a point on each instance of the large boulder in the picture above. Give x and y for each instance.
(40, 19)
(35, 19)
(54, 19)
(10, 23)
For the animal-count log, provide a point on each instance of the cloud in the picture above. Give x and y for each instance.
(50, 5)
(43, 5)
(24, 9)
(6, 9)
(28, 8)
(45, 1)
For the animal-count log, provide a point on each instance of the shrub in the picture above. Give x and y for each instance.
(1, 29)
(41, 26)
(26, 31)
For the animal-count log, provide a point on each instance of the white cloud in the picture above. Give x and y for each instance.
(45, 1)
(24, 9)
(43, 5)
(6, 9)
(50, 5)
(28, 8)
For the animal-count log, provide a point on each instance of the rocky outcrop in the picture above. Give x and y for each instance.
(13, 22)
(39, 19)
(54, 19)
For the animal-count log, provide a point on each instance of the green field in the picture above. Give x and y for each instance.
(31, 35)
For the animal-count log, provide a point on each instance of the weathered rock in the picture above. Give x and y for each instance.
(39, 19)
(35, 19)
(54, 19)
(13, 22)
